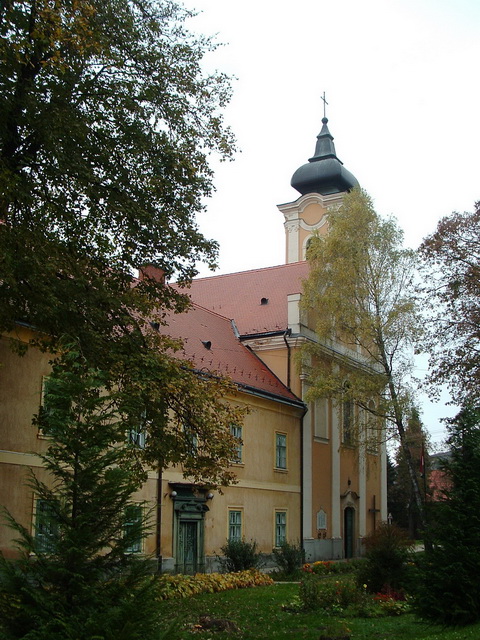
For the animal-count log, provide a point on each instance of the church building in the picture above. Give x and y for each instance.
(300, 474)
(343, 484)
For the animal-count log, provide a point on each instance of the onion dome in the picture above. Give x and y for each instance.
(324, 173)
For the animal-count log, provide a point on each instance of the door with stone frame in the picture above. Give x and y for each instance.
(189, 559)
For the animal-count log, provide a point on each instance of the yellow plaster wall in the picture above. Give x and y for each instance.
(321, 485)
(276, 360)
(373, 470)
(260, 489)
(20, 395)
(313, 214)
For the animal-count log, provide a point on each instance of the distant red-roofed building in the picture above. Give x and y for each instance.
(438, 480)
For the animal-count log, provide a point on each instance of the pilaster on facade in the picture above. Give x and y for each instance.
(335, 449)
(295, 323)
(362, 481)
(383, 480)
(307, 478)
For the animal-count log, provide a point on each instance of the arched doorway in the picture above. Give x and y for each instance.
(349, 532)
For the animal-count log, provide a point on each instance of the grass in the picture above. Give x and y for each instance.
(257, 614)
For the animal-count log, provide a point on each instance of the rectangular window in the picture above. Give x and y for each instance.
(43, 397)
(136, 436)
(236, 432)
(133, 528)
(280, 528)
(234, 525)
(191, 440)
(46, 526)
(280, 450)
(372, 428)
(43, 390)
(347, 417)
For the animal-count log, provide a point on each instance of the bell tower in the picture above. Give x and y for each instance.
(321, 182)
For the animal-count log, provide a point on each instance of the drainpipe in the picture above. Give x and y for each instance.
(158, 524)
(286, 335)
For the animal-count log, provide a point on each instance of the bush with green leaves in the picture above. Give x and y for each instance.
(387, 559)
(332, 596)
(289, 557)
(240, 555)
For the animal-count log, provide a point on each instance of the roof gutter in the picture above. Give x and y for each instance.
(298, 404)
(262, 334)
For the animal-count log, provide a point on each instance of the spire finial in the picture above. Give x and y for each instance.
(324, 105)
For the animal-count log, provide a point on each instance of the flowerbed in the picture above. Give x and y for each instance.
(345, 597)
(182, 586)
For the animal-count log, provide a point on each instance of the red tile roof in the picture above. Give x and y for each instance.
(210, 342)
(239, 296)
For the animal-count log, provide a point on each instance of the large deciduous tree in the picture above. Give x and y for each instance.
(451, 263)
(405, 510)
(107, 121)
(361, 288)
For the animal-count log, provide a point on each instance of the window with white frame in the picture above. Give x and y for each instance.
(43, 389)
(234, 525)
(281, 450)
(280, 528)
(133, 528)
(136, 436)
(43, 399)
(237, 432)
(191, 440)
(46, 526)
(372, 434)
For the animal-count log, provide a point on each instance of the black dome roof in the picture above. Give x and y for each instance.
(324, 173)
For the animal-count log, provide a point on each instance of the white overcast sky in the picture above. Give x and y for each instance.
(402, 81)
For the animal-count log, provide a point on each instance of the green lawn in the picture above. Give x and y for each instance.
(258, 614)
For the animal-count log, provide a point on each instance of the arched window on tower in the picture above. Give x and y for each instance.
(347, 416)
(373, 431)
(306, 246)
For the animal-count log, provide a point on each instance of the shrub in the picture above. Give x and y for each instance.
(319, 568)
(392, 603)
(310, 592)
(326, 567)
(289, 557)
(240, 555)
(388, 551)
(331, 596)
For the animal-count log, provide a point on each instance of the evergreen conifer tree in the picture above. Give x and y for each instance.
(78, 576)
(450, 589)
